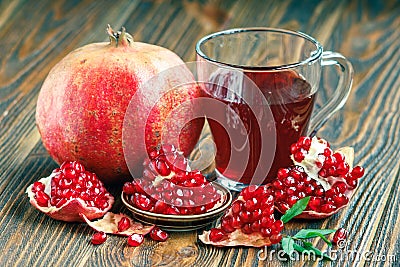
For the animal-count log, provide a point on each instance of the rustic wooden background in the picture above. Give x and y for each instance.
(36, 34)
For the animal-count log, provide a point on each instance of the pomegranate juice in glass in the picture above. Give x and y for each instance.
(261, 85)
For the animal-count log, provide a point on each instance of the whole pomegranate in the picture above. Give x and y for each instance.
(82, 104)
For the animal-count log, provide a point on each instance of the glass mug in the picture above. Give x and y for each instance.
(263, 83)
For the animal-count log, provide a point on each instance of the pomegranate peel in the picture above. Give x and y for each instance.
(68, 192)
(109, 225)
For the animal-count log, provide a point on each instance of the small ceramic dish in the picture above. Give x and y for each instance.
(182, 222)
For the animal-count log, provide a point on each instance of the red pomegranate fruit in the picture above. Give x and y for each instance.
(168, 186)
(249, 221)
(69, 192)
(83, 101)
(111, 224)
(326, 176)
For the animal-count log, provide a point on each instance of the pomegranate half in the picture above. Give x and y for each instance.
(82, 104)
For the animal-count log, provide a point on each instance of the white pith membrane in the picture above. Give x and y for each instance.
(109, 225)
(70, 211)
(237, 237)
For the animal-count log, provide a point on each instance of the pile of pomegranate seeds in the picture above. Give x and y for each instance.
(69, 191)
(249, 221)
(326, 176)
(167, 187)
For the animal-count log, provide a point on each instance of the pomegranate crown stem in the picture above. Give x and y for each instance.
(119, 37)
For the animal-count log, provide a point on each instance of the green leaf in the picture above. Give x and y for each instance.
(311, 233)
(295, 210)
(287, 245)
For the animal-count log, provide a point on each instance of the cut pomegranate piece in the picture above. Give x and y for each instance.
(70, 191)
(249, 221)
(326, 176)
(111, 224)
(168, 186)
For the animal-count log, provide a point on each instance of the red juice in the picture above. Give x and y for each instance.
(290, 100)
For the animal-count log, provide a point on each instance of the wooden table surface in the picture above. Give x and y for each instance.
(35, 35)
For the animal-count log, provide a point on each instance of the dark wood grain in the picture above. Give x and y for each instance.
(35, 35)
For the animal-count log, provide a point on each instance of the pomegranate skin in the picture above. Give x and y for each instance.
(82, 103)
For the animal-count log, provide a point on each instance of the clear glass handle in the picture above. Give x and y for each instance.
(341, 93)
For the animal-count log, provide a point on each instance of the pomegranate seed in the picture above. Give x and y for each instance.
(251, 204)
(226, 224)
(277, 227)
(247, 192)
(162, 168)
(217, 235)
(266, 232)
(352, 183)
(124, 224)
(42, 198)
(283, 173)
(142, 202)
(236, 222)
(314, 203)
(158, 235)
(357, 172)
(247, 229)
(340, 234)
(236, 207)
(60, 203)
(291, 200)
(256, 226)
(340, 200)
(293, 148)
(69, 173)
(275, 238)
(129, 188)
(99, 238)
(327, 208)
(245, 216)
(340, 187)
(37, 186)
(135, 240)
